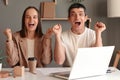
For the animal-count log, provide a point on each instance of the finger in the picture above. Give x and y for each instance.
(55, 27)
(99, 24)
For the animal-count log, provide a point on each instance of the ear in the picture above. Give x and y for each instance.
(86, 18)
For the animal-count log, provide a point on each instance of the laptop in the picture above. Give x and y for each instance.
(89, 62)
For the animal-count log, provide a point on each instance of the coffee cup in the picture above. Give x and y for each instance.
(32, 62)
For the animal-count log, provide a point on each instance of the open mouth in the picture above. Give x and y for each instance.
(77, 23)
(31, 25)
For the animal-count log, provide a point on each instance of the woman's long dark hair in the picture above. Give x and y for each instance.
(38, 31)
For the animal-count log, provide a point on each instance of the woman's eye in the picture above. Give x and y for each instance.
(35, 17)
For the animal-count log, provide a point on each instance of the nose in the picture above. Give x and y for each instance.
(77, 16)
(31, 19)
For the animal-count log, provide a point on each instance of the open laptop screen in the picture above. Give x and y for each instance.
(89, 62)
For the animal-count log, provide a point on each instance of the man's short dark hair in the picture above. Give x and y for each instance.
(76, 5)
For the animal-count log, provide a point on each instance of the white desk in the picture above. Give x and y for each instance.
(44, 74)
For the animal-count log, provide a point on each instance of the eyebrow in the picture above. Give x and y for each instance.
(30, 15)
(77, 12)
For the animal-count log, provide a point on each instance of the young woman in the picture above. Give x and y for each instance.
(29, 41)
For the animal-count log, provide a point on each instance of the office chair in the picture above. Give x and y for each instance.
(117, 58)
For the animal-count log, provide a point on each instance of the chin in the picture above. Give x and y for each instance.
(31, 30)
(77, 27)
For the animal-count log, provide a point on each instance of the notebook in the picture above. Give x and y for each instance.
(89, 62)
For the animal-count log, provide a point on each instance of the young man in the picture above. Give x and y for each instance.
(79, 36)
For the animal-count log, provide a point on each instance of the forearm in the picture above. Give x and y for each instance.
(12, 54)
(59, 51)
(47, 51)
(98, 41)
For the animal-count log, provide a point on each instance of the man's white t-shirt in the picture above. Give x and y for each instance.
(72, 42)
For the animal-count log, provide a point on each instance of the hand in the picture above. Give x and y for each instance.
(99, 27)
(8, 33)
(49, 33)
(57, 29)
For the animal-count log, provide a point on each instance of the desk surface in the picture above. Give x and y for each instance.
(44, 74)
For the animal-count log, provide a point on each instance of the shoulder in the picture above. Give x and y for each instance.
(40, 39)
(90, 34)
(65, 33)
(90, 31)
(65, 36)
(16, 34)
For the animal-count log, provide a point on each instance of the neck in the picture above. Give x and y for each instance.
(78, 31)
(30, 35)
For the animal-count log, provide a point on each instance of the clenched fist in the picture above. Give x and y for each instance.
(8, 33)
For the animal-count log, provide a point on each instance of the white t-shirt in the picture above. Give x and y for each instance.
(72, 42)
(30, 46)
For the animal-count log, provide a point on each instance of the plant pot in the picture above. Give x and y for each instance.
(0, 66)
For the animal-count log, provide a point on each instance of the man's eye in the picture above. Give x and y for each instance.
(35, 17)
(81, 14)
(72, 14)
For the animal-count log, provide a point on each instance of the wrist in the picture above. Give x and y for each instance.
(98, 32)
(8, 40)
(46, 38)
